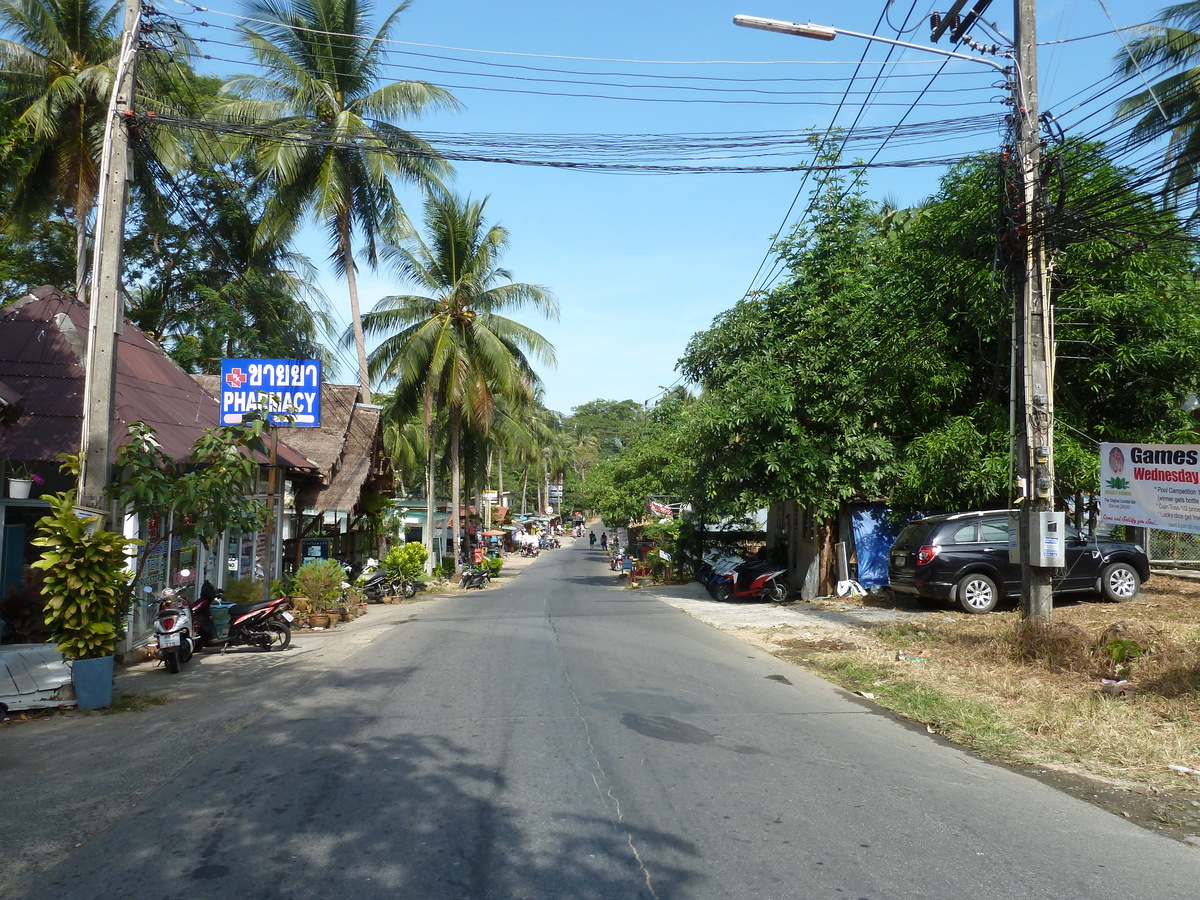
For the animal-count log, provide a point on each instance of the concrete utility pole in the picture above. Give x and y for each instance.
(1041, 536)
(106, 305)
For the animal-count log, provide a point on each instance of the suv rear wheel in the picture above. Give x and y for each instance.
(977, 593)
(1119, 582)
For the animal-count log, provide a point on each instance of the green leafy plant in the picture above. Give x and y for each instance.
(320, 580)
(243, 590)
(85, 580)
(1123, 652)
(406, 561)
(446, 567)
(212, 494)
(492, 565)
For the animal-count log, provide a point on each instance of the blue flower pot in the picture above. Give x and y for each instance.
(93, 682)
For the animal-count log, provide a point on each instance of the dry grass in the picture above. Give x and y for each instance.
(1035, 695)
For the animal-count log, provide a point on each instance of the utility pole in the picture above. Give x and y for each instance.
(1041, 535)
(106, 305)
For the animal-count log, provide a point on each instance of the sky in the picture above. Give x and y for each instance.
(640, 255)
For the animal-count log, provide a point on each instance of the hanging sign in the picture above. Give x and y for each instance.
(1151, 485)
(284, 391)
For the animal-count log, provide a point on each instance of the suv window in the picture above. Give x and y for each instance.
(994, 531)
(964, 534)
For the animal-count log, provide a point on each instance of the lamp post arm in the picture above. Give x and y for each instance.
(828, 33)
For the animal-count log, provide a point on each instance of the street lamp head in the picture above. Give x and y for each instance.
(809, 30)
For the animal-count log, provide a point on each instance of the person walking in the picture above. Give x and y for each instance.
(604, 540)
(592, 539)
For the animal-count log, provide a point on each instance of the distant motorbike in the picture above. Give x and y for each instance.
(266, 624)
(474, 577)
(174, 629)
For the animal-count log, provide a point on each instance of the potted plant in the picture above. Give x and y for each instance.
(86, 586)
(21, 481)
(320, 580)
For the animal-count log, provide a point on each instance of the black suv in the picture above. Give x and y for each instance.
(963, 558)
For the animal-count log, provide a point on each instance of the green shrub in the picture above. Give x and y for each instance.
(446, 567)
(406, 562)
(493, 566)
(243, 590)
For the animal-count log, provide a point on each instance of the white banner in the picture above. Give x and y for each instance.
(1151, 485)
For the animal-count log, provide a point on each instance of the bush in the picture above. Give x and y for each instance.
(243, 590)
(446, 567)
(406, 562)
(493, 566)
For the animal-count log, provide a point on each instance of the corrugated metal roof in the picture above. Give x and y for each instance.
(43, 337)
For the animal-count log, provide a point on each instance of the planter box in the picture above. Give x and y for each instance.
(93, 682)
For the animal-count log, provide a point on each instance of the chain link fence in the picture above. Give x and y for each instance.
(1173, 548)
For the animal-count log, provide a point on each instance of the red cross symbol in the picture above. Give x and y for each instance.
(236, 378)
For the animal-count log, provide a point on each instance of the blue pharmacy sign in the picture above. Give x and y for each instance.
(284, 391)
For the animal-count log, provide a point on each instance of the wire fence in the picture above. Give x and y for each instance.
(1173, 548)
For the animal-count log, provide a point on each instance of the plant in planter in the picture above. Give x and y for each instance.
(320, 580)
(86, 586)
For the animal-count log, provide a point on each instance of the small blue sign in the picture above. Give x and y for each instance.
(284, 391)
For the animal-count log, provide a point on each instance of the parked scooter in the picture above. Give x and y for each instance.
(174, 628)
(376, 584)
(474, 577)
(266, 624)
(754, 580)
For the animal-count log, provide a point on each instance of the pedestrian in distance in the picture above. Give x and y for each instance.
(592, 539)
(604, 540)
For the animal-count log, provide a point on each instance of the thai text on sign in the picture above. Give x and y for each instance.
(283, 391)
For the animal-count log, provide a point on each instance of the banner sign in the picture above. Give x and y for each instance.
(660, 509)
(1151, 485)
(284, 391)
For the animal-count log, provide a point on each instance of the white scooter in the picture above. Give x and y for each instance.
(174, 629)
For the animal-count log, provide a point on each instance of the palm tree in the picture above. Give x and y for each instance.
(453, 347)
(1171, 107)
(58, 71)
(332, 148)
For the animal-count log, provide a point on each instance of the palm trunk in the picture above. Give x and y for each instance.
(430, 493)
(82, 208)
(456, 488)
(360, 343)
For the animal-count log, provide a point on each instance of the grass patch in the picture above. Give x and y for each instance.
(1033, 694)
(135, 703)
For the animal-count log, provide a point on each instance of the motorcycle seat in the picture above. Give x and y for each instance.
(240, 609)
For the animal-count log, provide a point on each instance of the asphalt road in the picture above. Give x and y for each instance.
(552, 737)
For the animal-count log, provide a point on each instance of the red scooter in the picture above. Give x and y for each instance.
(266, 624)
(756, 580)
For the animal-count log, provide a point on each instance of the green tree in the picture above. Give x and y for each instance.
(328, 144)
(208, 287)
(1170, 107)
(57, 70)
(453, 348)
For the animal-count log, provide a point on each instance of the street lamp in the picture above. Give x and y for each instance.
(1041, 531)
(828, 33)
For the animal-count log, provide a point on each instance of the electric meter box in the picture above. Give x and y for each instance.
(1049, 539)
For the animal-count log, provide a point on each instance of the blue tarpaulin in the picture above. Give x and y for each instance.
(873, 538)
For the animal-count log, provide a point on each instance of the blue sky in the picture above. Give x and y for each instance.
(640, 262)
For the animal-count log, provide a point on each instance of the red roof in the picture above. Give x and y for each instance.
(43, 338)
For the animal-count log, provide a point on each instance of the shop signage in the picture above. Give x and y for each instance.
(284, 391)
